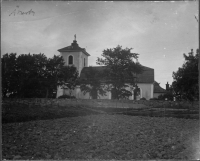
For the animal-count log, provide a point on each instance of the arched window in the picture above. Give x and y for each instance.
(70, 60)
(84, 62)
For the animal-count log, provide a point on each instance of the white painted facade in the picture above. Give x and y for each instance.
(146, 90)
(80, 60)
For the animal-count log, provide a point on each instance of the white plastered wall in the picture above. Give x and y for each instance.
(78, 59)
(59, 92)
(146, 90)
(78, 62)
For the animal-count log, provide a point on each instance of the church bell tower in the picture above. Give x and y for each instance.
(75, 55)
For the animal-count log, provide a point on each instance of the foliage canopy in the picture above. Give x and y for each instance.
(122, 67)
(185, 84)
(92, 83)
(33, 75)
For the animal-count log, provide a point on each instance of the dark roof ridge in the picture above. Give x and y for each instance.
(97, 66)
(155, 82)
(158, 88)
(147, 67)
(106, 66)
(74, 47)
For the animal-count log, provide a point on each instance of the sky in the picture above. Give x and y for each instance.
(160, 32)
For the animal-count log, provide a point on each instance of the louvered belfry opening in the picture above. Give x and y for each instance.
(70, 60)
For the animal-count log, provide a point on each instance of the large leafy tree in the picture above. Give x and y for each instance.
(68, 78)
(53, 70)
(185, 84)
(32, 75)
(122, 65)
(30, 71)
(40, 62)
(93, 83)
(9, 77)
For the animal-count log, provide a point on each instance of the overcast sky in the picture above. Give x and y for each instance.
(160, 32)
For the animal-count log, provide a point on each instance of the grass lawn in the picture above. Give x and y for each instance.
(22, 113)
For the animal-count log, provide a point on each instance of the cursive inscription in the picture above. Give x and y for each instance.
(19, 12)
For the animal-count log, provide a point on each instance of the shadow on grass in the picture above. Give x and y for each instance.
(152, 112)
(22, 113)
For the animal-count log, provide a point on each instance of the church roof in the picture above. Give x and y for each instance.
(74, 47)
(158, 89)
(146, 77)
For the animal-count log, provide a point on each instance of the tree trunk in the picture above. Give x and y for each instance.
(21, 94)
(47, 93)
(4, 94)
(56, 91)
(70, 93)
(115, 93)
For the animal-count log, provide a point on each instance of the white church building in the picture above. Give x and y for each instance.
(77, 56)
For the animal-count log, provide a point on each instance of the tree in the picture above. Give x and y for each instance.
(32, 75)
(68, 77)
(185, 84)
(53, 70)
(9, 77)
(121, 69)
(30, 71)
(93, 83)
(169, 95)
(40, 66)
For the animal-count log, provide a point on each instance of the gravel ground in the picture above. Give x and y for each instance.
(102, 137)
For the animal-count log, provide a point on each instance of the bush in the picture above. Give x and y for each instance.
(167, 95)
(153, 99)
(143, 98)
(67, 96)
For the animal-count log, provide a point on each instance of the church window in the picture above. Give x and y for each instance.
(84, 62)
(70, 61)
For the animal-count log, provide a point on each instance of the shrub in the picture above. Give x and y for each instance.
(67, 96)
(153, 99)
(143, 98)
(167, 95)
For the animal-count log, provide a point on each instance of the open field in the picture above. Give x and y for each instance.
(102, 136)
(96, 129)
(20, 112)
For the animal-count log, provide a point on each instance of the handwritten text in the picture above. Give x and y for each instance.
(19, 12)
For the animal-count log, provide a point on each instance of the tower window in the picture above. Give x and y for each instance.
(70, 61)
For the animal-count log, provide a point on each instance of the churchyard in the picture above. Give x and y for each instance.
(99, 129)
